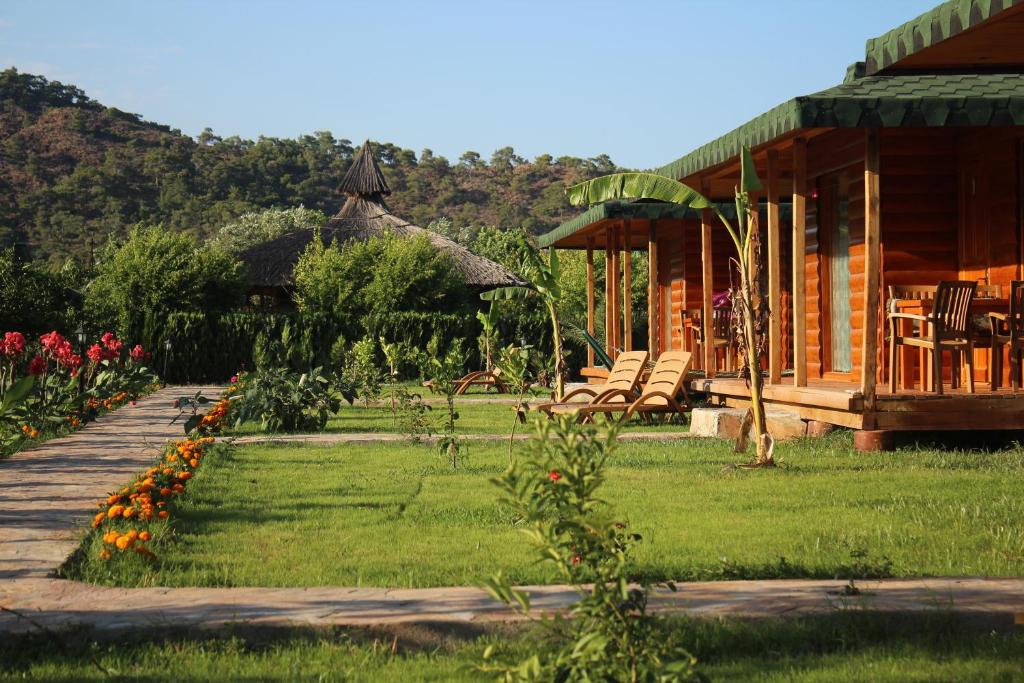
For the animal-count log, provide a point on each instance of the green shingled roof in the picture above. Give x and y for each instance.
(934, 26)
(915, 100)
(618, 209)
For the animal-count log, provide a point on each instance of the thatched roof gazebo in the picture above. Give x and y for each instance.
(364, 215)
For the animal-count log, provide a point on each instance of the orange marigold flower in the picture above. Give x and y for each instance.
(194, 462)
(105, 554)
(145, 536)
(124, 542)
(185, 476)
(115, 511)
(129, 513)
(112, 499)
(163, 514)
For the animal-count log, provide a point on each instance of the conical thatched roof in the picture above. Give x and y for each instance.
(365, 215)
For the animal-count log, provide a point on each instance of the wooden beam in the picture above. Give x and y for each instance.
(609, 286)
(799, 257)
(653, 292)
(707, 285)
(627, 287)
(616, 295)
(774, 270)
(591, 297)
(872, 261)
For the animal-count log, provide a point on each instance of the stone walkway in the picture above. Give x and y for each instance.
(47, 495)
(48, 492)
(34, 603)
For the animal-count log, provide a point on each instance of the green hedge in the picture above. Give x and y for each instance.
(210, 347)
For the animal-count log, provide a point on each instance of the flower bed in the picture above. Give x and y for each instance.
(137, 513)
(46, 389)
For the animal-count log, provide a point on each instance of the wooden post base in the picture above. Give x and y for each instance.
(819, 428)
(874, 440)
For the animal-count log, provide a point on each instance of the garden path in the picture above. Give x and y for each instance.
(47, 493)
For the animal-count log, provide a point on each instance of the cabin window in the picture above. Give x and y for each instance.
(837, 211)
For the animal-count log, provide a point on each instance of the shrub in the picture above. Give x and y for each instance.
(284, 401)
(33, 300)
(156, 272)
(610, 636)
(257, 227)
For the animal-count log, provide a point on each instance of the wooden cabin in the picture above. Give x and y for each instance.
(909, 173)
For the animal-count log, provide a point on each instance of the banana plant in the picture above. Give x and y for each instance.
(744, 235)
(489, 324)
(543, 280)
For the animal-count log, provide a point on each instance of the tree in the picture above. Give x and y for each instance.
(155, 272)
(544, 282)
(749, 305)
(257, 227)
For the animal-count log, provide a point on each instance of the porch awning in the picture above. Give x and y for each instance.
(621, 210)
(903, 101)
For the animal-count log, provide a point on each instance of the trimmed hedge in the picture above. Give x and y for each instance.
(210, 347)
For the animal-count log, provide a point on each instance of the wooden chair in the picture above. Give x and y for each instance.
(946, 328)
(621, 385)
(721, 323)
(1008, 329)
(480, 378)
(667, 380)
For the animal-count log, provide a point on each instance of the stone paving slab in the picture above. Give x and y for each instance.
(48, 492)
(29, 604)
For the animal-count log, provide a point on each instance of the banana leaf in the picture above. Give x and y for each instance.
(636, 186)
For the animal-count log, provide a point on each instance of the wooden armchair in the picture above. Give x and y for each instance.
(946, 328)
(721, 323)
(1008, 329)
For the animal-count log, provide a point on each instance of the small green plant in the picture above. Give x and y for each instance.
(488, 334)
(364, 371)
(445, 371)
(514, 362)
(414, 411)
(285, 401)
(609, 635)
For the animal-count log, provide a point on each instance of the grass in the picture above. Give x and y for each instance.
(398, 515)
(857, 646)
(475, 417)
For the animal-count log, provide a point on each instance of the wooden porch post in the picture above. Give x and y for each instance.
(616, 295)
(707, 284)
(774, 271)
(627, 287)
(872, 259)
(609, 303)
(653, 293)
(590, 299)
(799, 249)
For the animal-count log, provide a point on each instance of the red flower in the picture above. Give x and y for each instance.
(553, 475)
(13, 344)
(113, 344)
(234, 378)
(53, 342)
(37, 365)
(71, 361)
(138, 353)
(95, 353)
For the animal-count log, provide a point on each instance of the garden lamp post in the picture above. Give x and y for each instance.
(81, 339)
(167, 353)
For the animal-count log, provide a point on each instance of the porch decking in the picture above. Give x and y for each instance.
(842, 403)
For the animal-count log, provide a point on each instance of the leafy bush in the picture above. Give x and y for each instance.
(257, 227)
(285, 401)
(156, 272)
(610, 636)
(33, 300)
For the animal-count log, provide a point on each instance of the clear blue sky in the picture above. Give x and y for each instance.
(641, 81)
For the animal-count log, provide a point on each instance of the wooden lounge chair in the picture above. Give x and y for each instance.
(667, 379)
(621, 385)
(480, 378)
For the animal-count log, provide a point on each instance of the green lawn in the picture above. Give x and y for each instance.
(475, 417)
(398, 515)
(853, 647)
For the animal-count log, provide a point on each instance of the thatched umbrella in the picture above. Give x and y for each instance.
(364, 215)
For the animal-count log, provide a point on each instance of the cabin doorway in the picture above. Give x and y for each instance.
(834, 202)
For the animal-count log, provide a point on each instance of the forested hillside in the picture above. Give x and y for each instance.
(73, 171)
